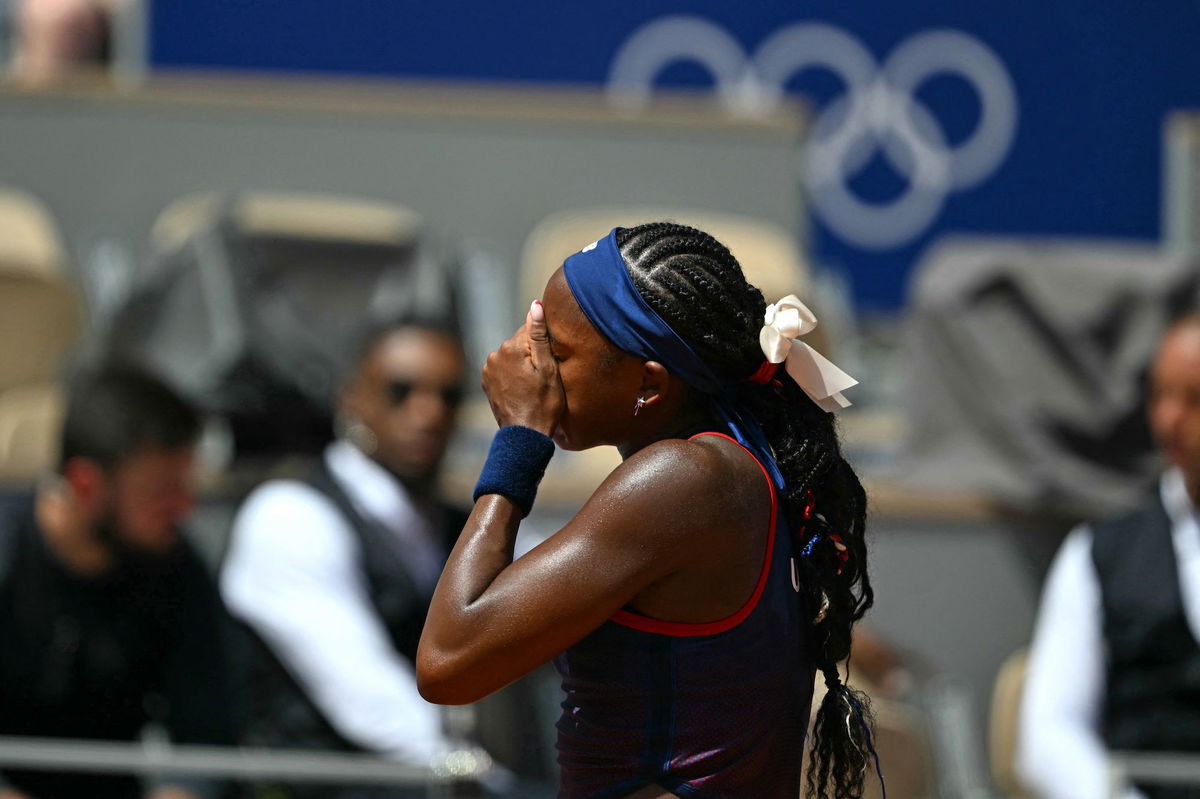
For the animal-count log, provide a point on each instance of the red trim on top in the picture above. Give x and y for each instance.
(682, 628)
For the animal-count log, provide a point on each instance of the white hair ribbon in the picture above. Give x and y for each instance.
(779, 338)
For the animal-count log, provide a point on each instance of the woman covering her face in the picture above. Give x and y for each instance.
(691, 601)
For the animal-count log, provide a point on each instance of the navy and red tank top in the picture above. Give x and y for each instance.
(718, 709)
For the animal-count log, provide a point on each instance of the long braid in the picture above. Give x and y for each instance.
(696, 285)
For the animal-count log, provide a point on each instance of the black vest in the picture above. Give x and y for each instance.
(1153, 687)
(278, 711)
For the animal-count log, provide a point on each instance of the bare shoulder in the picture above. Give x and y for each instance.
(702, 461)
(706, 479)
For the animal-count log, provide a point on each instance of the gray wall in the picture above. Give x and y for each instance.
(484, 165)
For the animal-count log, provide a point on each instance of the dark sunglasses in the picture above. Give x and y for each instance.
(400, 390)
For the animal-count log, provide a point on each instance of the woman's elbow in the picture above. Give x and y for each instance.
(440, 681)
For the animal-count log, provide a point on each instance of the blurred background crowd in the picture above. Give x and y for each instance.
(253, 253)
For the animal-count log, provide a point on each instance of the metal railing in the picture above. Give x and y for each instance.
(1158, 768)
(455, 768)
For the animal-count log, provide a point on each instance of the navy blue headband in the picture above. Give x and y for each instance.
(605, 291)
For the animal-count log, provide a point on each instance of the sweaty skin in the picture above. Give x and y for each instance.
(677, 532)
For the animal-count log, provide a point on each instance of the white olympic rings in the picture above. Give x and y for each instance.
(878, 112)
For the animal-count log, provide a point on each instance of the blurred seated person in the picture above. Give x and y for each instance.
(54, 38)
(1115, 660)
(105, 610)
(333, 575)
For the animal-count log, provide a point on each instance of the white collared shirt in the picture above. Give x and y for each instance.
(1060, 752)
(293, 575)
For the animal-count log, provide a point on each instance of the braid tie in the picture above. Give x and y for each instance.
(765, 374)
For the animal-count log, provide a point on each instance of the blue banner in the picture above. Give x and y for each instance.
(1023, 118)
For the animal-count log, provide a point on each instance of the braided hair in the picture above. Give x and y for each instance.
(696, 285)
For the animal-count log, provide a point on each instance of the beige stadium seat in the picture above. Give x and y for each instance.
(1003, 724)
(769, 254)
(253, 302)
(299, 215)
(41, 319)
(30, 418)
(770, 257)
(905, 754)
(41, 314)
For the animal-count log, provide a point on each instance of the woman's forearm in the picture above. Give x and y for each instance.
(457, 618)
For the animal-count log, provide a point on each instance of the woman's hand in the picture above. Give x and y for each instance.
(521, 378)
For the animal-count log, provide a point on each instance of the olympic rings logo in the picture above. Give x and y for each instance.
(879, 111)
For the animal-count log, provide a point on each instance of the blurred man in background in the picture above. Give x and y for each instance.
(54, 38)
(1115, 662)
(333, 575)
(106, 613)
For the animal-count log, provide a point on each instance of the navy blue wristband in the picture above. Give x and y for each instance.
(515, 465)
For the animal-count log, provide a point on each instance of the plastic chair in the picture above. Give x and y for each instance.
(253, 305)
(769, 254)
(284, 214)
(41, 319)
(1003, 724)
(901, 741)
(41, 313)
(30, 418)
